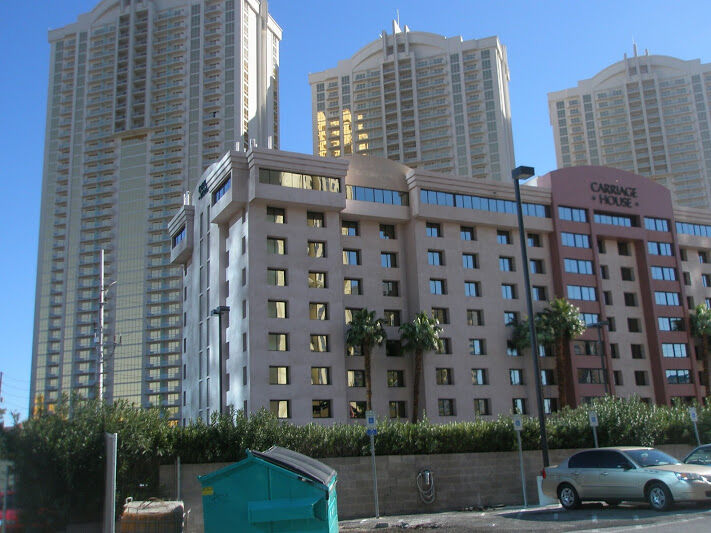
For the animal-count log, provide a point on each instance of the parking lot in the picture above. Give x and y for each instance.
(590, 517)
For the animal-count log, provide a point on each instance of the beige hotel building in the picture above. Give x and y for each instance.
(278, 249)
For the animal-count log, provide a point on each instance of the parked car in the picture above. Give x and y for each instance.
(699, 456)
(9, 517)
(626, 473)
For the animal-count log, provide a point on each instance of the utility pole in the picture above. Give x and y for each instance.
(99, 334)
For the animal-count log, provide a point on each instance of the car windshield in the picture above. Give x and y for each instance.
(651, 457)
(700, 456)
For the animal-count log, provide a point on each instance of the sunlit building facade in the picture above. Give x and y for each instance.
(285, 247)
(648, 114)
(419, 98)
(143, 96)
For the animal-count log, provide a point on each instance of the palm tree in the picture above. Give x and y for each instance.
(556, 325)
(521, 335)
(700, 319)
(365, 331)
(421, 335)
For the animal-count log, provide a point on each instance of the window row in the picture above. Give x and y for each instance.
(482, 203)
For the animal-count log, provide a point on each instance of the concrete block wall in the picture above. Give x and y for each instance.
(462, 481)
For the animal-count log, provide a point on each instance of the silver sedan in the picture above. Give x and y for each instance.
(626, 473)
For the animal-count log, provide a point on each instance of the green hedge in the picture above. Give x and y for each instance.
(59, 457)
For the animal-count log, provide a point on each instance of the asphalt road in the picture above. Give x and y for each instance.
(590, 517)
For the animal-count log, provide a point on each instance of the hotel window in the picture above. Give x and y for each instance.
(659, 248)
(519, 406)
(475, 317)
(623, 248)
(393, 348)
(388, 259)
(352, 286)
(396, 378)
(687, 278)
(318, 343)
(590, 376)
(276, 246)
(656, 224)
(391, 288)
(668, 323)
(578, 266)
(318, 311)
(397, 409)
(516, 376)
(637, 351)
(356, 409)
(547, 377)
(222, 189)
(630, 299)
(572, 214)
(320, 375)
(510, 317)
(508, 291)
(387, 231)
(550, 405)
(276, 215)
(316, 249)
(444, 376)
(534, 240)
(355, 378)
(585, 347)
(675, 350)
(615, 220)
(506, 264)
(349, 228)
(575, 240)
(433, 229)
(446, 407)
(627, 274)
(536, 266)
(503, 237)
(438, 286)
(445, 346)
(706, 280)
(276, 277)
(280, 408)
(682, 254)
(318, 280)
(470, 261)
(664, 273)
(278, 375)
(640, 378)
(511, 349)
(633, 325)
(666, 298)
(604, 272)
(391, 317)
(480, 376)
(581, 292)
(678, 377)
(471, 288)
(441, 315)
(435, 257)
(277, 309)
(278, 342)
(354, 351)
(617, 378)
(321, 408)
(538, 293)
(351, 257)
(703, 257)
(601, 249)
(477, 347)
(467, 233)
(481, 407)
(315, 219)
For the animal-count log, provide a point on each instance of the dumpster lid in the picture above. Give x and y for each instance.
(299, 463)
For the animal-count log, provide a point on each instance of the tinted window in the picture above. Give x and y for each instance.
(610, 459)
(651, 457)
(590, 459)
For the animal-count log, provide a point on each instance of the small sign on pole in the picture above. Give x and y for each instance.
(371, 430)
(518, 427)
(592, 416)
(694, 418)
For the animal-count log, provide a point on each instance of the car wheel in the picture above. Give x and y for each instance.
(568, 496)
(613, 503)
(659, 497)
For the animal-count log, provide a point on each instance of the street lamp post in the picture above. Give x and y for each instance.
(522, 173)
(219, 312)
(601, 347)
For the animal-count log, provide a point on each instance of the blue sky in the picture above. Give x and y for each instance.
(551, 45)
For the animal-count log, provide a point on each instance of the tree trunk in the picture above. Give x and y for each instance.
(416, 386)
(707, 364)
(561, 373)
(368, 388)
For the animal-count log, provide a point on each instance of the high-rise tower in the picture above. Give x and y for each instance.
(422, 99)
(647, 114)
(143, 96)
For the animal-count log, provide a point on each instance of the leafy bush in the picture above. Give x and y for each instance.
(60, 456)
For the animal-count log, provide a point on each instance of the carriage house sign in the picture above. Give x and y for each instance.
(614, 195)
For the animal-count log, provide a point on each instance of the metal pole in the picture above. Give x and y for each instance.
(219, 358)
(177, 477)
(601, 346)
(523, 475)
(595, 436)
(100, 346)
(696, 431)
(532, 328)
(110, 489)
(375, 477)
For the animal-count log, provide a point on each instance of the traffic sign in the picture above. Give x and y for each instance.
(693, 415)
(592, 415)
(370, 421)
(371, 432)
(517, 423)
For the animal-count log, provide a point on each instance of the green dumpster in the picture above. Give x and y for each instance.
(276, 490)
